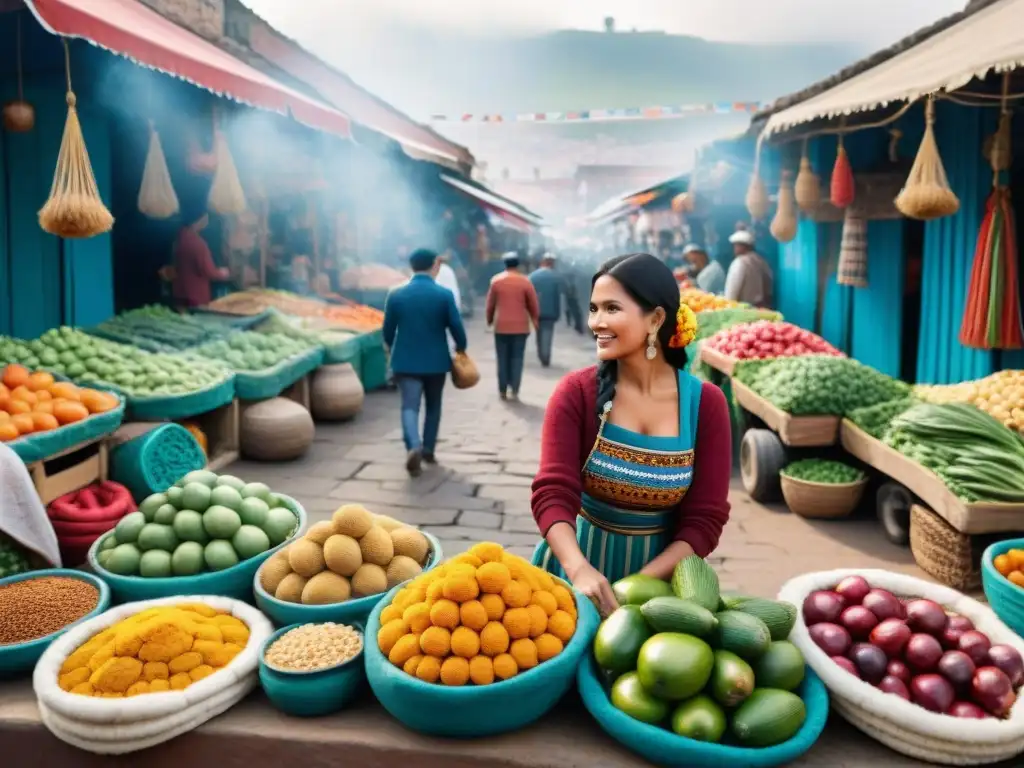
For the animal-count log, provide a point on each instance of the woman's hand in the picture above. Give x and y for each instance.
(591, 582)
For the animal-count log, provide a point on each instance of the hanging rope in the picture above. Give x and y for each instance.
(74, 208)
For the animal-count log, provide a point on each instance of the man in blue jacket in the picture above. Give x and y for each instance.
(549, 286)
(418, 317)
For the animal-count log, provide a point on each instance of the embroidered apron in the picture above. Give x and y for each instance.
(632, 486)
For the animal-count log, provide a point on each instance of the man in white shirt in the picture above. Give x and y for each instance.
(710, 276)
(444, 276)
(749, 279)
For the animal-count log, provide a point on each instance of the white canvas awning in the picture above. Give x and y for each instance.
(986, 41)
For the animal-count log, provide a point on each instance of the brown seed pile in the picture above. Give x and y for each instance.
(314, 646)
(35, 608)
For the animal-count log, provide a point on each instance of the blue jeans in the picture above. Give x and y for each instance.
(545, 337)
(510, 349)
(415, 390)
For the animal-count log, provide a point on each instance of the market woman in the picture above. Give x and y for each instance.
(636, 453)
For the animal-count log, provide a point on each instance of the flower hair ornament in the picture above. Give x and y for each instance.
(686, 327)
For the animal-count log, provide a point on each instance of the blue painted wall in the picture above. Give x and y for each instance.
(877, 316)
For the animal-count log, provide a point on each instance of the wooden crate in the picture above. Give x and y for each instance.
(300, 391)
(221, 429)
(70, 470)
(794, 431)
(718, 360)
(967, 518)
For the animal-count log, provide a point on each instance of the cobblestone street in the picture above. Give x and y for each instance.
(488, 455)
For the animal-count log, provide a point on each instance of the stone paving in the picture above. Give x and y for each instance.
(488, 455)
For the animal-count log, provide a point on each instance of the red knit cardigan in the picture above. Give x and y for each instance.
(570, 430)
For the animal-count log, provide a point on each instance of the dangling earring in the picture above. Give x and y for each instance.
(652, 351)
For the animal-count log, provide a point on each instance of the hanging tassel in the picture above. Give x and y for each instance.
(157, 198)
(843, 187)
(853, 252)
(226, 194)
(74, 208)
(808, 185)
(784, 225)
(927, 194)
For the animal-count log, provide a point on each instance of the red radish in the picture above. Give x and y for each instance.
(957, 667)
(859, 621)
(884, 604)
(891, 684)
(891, 636)
(933, 692)
(926, 616)
(900, 671)
(1008, 659)
(853, 589)
(870, 661)
(967, 710)
(991, 689)
(846, 664)
(922, 653)
(954, 630)
(831, 638)
(976, 645)
(822, 606)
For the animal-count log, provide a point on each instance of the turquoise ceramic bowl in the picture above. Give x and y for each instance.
(234, 582)
(664, 748)
(474, 711)
(349, 612)
(312, 694)
(1004, 597)
(20, 658)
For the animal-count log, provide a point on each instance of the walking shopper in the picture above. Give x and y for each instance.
(549, 286)
(511, 308)
(749, 279)
(418, 317)
(444, 276)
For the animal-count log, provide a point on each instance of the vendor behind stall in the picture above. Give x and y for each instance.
(194, 268)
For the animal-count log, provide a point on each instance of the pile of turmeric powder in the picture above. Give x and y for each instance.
(159, 649)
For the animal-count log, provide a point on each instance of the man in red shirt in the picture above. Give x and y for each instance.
(194, 268)
(511, 306)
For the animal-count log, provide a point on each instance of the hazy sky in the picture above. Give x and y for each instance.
(324, 23)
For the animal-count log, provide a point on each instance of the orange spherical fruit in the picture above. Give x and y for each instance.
(39, 380)
(8, 432)
(23, 423)
(15, 375)
(69, 413)
(44, 422)
(24, 394)
(65, 390)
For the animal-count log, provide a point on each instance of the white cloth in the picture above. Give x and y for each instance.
(446, 279)
(749, 280)
(22, 515)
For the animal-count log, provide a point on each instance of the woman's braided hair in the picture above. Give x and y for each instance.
(651, 284)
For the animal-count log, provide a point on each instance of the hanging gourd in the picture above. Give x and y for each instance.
(680, 204)
(74, 208)
(19, 115)
(226, 194)
(926, 194)
(783, 227)
(757, 196)
(808, 185)
(157, 198)
(843, 187)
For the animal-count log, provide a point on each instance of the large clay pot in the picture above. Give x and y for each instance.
(336, 393)
(275, 430)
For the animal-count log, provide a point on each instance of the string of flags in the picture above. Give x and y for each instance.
(604, 115)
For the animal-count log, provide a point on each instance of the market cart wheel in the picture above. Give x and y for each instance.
(894, 502)
(762, 457)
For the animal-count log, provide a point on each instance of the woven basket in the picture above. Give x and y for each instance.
(900, 725)
(943, 552)
(821, 500)
(336, 393)
(275, 430)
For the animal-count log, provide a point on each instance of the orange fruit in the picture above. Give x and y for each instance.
(44, 396)
(5, 399)
(8, 432)
(1016, 577)
(23, 423)
(4, 416)
(15, 375)
(43, 406)
(24, 393)
(69, 413)
(39, 380)
(19, 406)
(65, 390)
(98, 402)
(1003, 564)
(44, 422)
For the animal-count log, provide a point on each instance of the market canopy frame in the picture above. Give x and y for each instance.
(506, 209)
(985, 37)
(130, 29)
